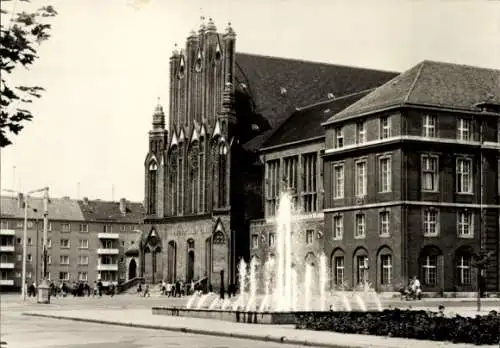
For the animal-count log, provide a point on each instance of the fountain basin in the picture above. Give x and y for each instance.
(276, 318)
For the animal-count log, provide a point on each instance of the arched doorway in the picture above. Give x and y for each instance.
(132, 269)
(190, 269)
(190, 260)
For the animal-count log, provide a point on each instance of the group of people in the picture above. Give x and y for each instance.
(413, 291)
(77, 289)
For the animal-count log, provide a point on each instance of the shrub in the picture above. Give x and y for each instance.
(408, 324)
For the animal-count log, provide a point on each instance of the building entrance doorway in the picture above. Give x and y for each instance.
(132, 269)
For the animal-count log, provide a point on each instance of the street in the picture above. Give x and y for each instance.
(31, 332)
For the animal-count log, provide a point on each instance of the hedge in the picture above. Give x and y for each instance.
(408, 324)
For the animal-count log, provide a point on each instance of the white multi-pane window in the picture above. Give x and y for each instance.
(49, 243)
(429, 126)
(464, 175)
(64, 276)
(84, 244)
(464, 271)
(362, 274)
(386, 271)
(108, 229)
(360, 226)
(430, 271)
(464, 129)
(431, 222)
(339, 270)
(273, 186)
(272, 239)
(64, 259)
(255, 241)
(385, 174)
(65, 227)
(84, 228)
(338, 172)
(360, 183)
(49, 259)
(384, 223)
(338, 227)
(361, 132)
(339, 137)
(82, 276)
(465, 224)
(65, 243)
(29, 258)
(385, 127)
(83, 260)
(309, 236)
(429, 173)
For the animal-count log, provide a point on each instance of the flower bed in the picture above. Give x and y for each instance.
(408, 324)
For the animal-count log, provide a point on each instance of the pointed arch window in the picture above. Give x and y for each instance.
(201, 177)
(194, 176)
(152, 175)
(218, 53)
(180, 179)
(180, 73)
(173, 181)
(199, 63)
(223, 150)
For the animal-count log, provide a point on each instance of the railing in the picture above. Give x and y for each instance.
(131, 283)
(108, 235)
(108, 251)
(7, 232)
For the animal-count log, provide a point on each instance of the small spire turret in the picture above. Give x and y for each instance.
(158, 116)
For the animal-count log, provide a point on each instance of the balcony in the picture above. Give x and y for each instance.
(106, 235)
(107, 267)
(7, 248)
(7, 232)
(6, 265)
(107, 251)
(7, 282)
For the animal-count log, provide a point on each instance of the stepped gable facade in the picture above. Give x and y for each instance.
(411, 176)
(203, 174)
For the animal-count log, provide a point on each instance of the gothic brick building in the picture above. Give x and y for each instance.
(204, 176)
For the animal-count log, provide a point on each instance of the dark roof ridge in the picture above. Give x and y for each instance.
(457, 64)
(334, 99)
(414, 83)
(317, 62)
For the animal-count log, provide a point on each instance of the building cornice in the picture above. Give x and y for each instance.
(409, 138)
(291, 144)
(411, 106)
(411, 203)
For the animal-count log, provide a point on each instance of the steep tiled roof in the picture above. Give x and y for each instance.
(431, 83)
(305, 123)
(59, 208)
(96, 210)
(73, 210)
(278, 85)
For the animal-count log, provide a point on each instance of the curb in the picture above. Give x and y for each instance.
(266, 338)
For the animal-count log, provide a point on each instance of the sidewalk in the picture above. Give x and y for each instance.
(143, 318)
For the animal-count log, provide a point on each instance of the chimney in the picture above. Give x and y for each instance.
(20, 200)
(86, 200)
(123, 206)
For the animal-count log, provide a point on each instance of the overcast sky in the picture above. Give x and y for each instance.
(107, 63)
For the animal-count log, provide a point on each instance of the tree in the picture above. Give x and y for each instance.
(20, 35)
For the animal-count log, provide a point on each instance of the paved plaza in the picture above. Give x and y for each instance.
(133, 312)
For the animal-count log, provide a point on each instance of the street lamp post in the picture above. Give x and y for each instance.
(25, 234)
(44, 288)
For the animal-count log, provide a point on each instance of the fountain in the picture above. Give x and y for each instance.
(290, 284)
